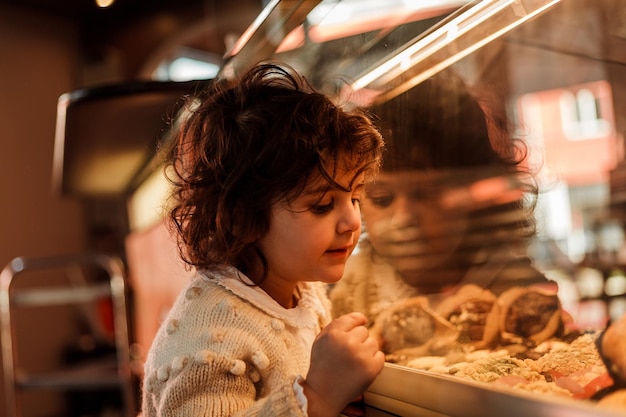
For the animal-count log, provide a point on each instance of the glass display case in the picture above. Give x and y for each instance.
(546, 194)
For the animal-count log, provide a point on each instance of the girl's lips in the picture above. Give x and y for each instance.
(340, 253)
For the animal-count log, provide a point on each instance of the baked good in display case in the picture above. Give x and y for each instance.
(519, 341)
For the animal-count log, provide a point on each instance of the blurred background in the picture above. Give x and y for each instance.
(88, 92)
(52, 47)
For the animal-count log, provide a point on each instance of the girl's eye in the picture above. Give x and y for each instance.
(381, 201)
(322, 208)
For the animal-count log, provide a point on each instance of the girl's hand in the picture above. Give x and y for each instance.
(345, 359)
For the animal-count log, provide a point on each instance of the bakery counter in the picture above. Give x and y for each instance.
(404, 391)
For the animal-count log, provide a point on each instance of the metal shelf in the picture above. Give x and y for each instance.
(111, 371)
(95, 374)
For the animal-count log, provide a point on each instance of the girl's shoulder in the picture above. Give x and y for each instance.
(206, 298)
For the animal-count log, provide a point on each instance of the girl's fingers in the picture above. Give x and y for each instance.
(349, 321)
(360, 333)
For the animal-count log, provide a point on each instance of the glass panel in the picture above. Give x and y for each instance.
(331, 39)
(503, 179)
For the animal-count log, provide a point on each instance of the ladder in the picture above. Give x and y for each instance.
(114, 373)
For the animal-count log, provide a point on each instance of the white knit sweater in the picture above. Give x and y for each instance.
(227, 349)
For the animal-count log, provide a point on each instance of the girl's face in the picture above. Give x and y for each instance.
(409, 227)
(311, 238)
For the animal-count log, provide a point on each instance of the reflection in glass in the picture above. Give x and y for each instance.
(470, 181)
(453, 203)
(448, 221)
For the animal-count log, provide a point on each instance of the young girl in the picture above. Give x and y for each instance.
(268, 180)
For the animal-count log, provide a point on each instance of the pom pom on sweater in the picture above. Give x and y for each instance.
(260, 360)
(238, 367)
(192, 292)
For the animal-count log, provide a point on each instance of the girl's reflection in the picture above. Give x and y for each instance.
(452, 205)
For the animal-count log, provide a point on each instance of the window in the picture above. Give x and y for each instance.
(581, 116)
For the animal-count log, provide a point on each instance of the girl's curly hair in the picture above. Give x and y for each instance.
(247, 144)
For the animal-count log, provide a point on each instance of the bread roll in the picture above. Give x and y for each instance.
(411, 324)
(473, 311)
(529, 315)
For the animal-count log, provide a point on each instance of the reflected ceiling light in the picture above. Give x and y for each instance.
(332, 20)
(448, 44)
(103, 4)
(422, 4)
(185, 69)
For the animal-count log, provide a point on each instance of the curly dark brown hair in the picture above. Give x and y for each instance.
(248, 144)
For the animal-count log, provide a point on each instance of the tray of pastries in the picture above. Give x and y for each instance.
(515, 354)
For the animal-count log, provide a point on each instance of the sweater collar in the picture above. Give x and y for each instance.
(305, 315)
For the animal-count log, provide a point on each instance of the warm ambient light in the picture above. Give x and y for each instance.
(104, 3)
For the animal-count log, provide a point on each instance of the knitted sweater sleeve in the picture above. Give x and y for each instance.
(216, 355)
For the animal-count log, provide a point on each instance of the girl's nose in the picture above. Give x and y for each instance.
(350, 220)
(403, 213)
